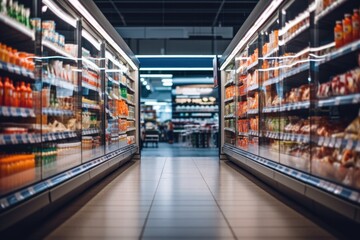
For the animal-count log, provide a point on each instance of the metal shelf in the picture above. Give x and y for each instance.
(272, 81)
(229, 116)
(328, 10)
(271, 53)
(63, 54)
(254, 133)
(55, 81)
(131, 129)
(230, 129)
(57, 112)
(91, 106)
(229, 83)
(253, 111)
(228, 100)
(91, 87)
(31, 138)
(349, 48)
(287, 136)
(296, 70)
(297, 34)
(339, 100)
(90, 131)
(17, 26)
(251, 66)
(16, 70)
(16, 112)
(253, 87)
(337, 142)
(287, 107)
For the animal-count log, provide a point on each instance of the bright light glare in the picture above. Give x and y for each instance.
(167, 84)
(142, 79)
(167, 80)
(156, 75)
(148, 87)
(144, 82)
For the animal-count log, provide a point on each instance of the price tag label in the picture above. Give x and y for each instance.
(332, 142)
(5, 111)
(349, 144)
(337, 101)
(321, 141)
(338, 142)
(24, 138)
(13, 112)
(31, 139)
(24, 72)
(17, 70)
(13, 139)
(356, 98)
(326, 142)
(358, 146)
(293, 137)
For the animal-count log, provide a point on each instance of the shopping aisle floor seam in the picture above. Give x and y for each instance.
(152, 202)
(217, 204)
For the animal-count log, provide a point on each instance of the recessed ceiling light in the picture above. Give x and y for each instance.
(148, 87)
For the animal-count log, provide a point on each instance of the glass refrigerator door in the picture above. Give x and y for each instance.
(336, 124)
(230, 104)
(270, 92)
(60, 125)
(93, 137)
(19, 99)
(294, 88)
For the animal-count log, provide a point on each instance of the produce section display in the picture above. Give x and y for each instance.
(297, 95)
(74, 104)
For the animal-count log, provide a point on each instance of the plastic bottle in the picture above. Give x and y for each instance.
(7, 92)
(1, 92)
(29, 96)
(347, 29)
(355, 25)
(15, 101)
(338, 34)
(23, 95)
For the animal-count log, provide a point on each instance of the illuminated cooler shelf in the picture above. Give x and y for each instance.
(337, 143)
(27, 138)
(16, 70)
(349, 48)
(55, 81)
(16, 112)
(90, 131)
(287, 136)
(57, 112)
(339, 100)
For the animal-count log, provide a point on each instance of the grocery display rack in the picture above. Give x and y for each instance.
(302, 130)
(69, 110)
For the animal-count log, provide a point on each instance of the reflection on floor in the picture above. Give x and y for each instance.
(177, 150)
(180, 197)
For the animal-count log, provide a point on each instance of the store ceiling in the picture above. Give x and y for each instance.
(149, 13)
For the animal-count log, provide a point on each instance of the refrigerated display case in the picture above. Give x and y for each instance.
(296, 69)
(68, 104)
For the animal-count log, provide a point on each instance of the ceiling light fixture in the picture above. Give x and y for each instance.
(177, 69)
(148, 87)
(156, 75)
(260, 21)
(84, 12)
(60, 13)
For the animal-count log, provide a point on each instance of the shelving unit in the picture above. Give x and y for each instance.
(308, 105)
(54, 129)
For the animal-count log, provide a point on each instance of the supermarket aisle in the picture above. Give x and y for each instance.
(178, 150)
(166, 198)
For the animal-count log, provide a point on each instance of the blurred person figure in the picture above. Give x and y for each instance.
(170, 132)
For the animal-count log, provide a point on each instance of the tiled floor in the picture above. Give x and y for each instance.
(183, 197)
(178, 150)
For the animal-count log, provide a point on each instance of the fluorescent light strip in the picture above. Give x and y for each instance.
(156, 75)
(176, 69)
(175, 56)
(102, 32)
(60, 13)
(166, 80)
(167, 84)
(91, 39)
(261, 20)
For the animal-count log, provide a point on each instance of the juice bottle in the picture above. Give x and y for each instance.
(23, 95)
(7, 92)
(347, 29)
(15, 99)
(355, 25)
(1, 92)
(30, 96)
(338, 34)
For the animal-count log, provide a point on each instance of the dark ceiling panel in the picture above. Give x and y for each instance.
(232, 13)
